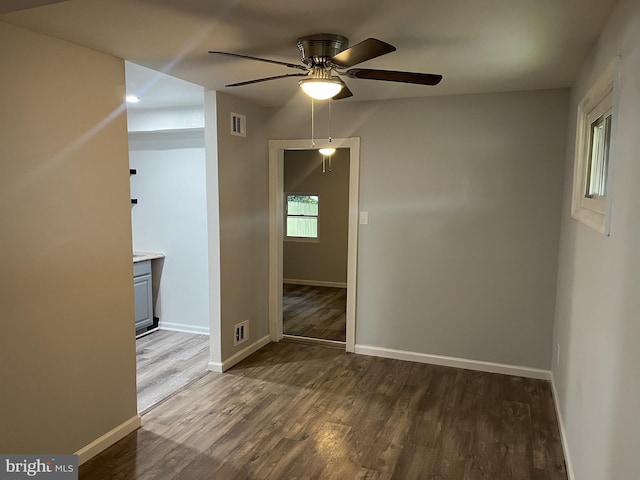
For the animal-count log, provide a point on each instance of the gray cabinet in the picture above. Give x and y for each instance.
(142, 294)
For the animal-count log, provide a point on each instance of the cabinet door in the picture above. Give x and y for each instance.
(142, 295)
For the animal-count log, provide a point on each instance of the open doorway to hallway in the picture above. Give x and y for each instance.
(315, 244)
(169, 220)
(278, 149)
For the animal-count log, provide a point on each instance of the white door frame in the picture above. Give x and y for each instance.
(276, 209)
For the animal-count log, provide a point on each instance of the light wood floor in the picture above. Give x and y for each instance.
(298, 411)
(314, 312)
(167, 361)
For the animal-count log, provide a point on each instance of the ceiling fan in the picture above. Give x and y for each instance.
(327, 56)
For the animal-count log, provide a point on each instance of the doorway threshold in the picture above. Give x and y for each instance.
(315, 341)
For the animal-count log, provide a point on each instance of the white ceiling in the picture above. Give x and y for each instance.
(158, 90)
(13, 5)
(479, 46)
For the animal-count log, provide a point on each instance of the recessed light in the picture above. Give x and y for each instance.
(132, 99)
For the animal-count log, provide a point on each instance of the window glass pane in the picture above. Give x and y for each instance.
(302, 227)
(605, 163)
(599, 157)
(302, 205)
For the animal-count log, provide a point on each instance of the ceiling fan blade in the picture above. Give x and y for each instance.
(266, 79)
(247, 57)
(393, 76)
(361, 52)
(344, 93)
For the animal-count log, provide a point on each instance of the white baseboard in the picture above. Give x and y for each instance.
(105, 441)
(314, 283)
(179, 327)
(239, 356)
(314, 341)
(454, 362)
(563, 433)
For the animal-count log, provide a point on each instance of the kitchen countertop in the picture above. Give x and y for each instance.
(143, 256)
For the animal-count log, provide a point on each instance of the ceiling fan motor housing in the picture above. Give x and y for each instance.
(315, 50)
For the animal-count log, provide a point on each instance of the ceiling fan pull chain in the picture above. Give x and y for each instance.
(313, 143)
(330, 103)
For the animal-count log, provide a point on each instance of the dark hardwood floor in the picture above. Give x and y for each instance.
(314, 312)
(166, 361)
(298, 411)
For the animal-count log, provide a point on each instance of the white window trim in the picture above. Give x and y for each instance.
(300, 239)
(602, 96)
(303, 239)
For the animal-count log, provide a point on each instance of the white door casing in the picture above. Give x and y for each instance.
(276, 221)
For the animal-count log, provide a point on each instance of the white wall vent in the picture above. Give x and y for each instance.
(238, 125)
(241, 332)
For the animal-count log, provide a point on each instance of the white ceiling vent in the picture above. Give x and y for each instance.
(238, 125)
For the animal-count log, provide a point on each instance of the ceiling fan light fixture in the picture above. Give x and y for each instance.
(327, 152)
(325, 55)
(321, 88)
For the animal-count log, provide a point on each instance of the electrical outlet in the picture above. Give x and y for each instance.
(240, 332)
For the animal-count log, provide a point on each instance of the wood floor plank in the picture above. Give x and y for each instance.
(314, 312)
(295, 411)
(166, 361)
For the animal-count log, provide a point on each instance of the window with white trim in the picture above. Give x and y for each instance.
(302, 214)
(591, 179)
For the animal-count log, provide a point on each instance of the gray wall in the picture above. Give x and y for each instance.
(598, 309)
(171, 217)
(460, 254)
(325, 261)
(67, 348)
(244, 222)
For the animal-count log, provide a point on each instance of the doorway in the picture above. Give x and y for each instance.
(315, 230)
(168, 177)
(277, 149)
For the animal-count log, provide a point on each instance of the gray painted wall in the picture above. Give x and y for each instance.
(67, 348)
(325, 261)
(598, 309)
(171, 218)
(460, 254)
(244, 222)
